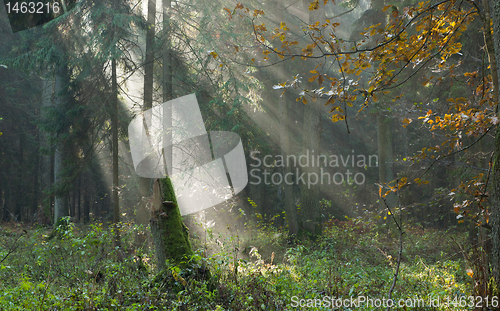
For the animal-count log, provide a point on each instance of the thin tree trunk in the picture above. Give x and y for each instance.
(86, 204)
(61, 197)
(290, 209)
(36, 184)
(79, 198)
(311, 146)
(144, 183)
(495, 206)
(20, 191)
(114, 127)
(2, 206)
(149, 65)
(166, 57)
(284, 134)
(310, 190)
(73, 201)
(385, 169)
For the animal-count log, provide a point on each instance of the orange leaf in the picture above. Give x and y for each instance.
(470, 272)
(311, 79)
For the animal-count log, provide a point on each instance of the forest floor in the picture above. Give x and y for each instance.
(351, 265)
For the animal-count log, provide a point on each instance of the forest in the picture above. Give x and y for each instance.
(253, 155)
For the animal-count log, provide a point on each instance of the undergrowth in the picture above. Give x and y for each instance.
(82, 270)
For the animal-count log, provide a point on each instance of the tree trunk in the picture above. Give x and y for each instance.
(309, 206)
(290, 209)
(144, 183)
(86, 204)
(114, 127)
(284, 136)
(167, 59)
(385, 168)
(61, 196)
(170, 236)
(495, 206)
(36, 188)
(73, 201)
(79, 198)
(2, 206)
(20, 178)
(149, 63)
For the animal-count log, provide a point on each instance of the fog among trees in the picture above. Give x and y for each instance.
(255, 155)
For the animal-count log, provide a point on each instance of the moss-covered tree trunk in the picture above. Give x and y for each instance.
(170, 236)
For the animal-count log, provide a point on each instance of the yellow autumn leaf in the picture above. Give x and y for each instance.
(407, 121)
(214, 54)
(314, 5)
(470, 272)
(311, 79)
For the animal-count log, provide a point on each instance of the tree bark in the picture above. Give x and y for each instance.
(495, 206)
(309, 206)
(170, 236)
(284, 132)
(86, 204)
(144, 183)
(36, 185)
(79, 198)
(114, 128)
(385, 167)
(61, 196)
(167, 57)
(290, 208)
